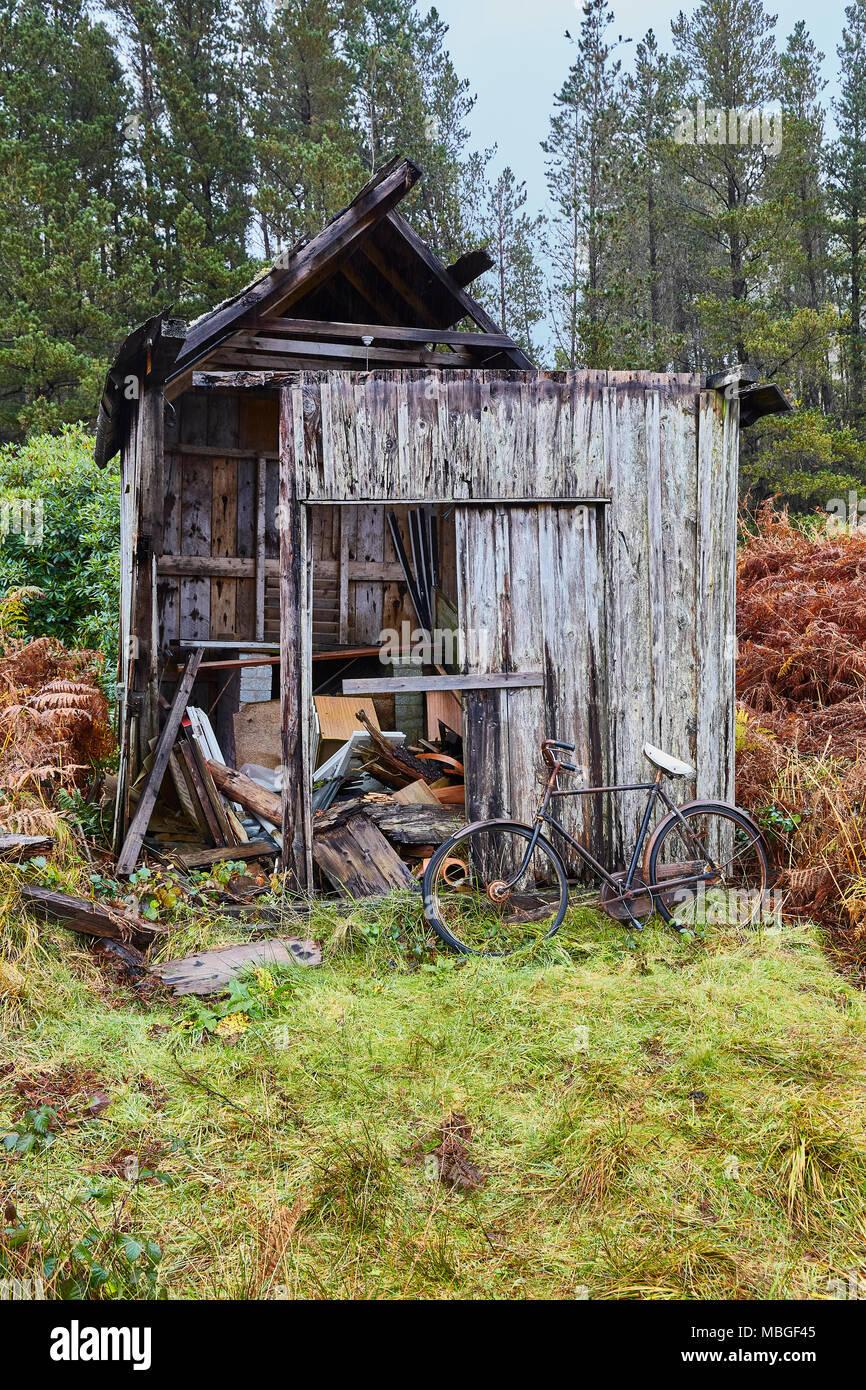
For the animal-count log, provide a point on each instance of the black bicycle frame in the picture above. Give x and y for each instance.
(622, 888)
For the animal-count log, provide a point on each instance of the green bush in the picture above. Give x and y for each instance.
(72, 554)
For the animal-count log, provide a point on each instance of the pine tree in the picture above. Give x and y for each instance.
(514, 289)
(69, 244)
(307, 160)
(848, 191)
(585, 149)
(192, 147)
(649, 324)
(728, 50)
(795, 180)
(410, 101)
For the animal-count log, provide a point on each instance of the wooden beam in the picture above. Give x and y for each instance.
(203, 858)
(213, 451)
(387, 685)
(389, 272)
(255, 346)
(380, 332)
(241, 567)
(469, 266)
(135, 834)
(238, 787)
(294, 638)
(470, 307)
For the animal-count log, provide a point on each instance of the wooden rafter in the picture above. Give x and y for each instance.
(469, 307)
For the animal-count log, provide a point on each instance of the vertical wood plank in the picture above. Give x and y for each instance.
(294, 655)
(224, 542)
(484, 606)
(260, 524)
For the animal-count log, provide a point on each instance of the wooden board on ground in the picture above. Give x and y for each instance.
(202, 859)
(358, 859)
(23, 846)
(209, 972)
(82, 915)
(258, 734)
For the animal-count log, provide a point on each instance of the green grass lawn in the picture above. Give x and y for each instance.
(653, 1117)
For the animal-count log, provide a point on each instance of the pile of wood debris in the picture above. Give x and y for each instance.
(380, 804)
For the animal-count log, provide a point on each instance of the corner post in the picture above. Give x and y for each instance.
(294, 656)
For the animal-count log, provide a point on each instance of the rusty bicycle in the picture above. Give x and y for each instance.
(498, 886)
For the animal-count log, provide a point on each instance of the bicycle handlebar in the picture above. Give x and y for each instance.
(547, 744)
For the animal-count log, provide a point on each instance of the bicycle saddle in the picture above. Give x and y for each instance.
(672, 766)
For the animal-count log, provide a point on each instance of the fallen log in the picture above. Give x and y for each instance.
(404, 824)
(24, 846)
(90, 918)
(238, 787)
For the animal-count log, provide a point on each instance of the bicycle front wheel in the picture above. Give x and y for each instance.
(716, 863)
(489, 891)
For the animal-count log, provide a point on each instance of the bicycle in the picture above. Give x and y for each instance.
(497, 886)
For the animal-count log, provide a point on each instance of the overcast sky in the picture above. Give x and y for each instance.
(516, 56)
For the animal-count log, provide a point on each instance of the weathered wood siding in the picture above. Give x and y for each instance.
(405, 436)
(626, 604)
(217, 538)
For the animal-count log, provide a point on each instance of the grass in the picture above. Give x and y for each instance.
(654, 1118)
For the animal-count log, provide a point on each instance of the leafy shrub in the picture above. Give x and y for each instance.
(73, 558)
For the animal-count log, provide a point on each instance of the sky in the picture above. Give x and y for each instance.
(516, 56)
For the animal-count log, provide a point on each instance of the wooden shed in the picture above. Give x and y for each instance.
(273, 451)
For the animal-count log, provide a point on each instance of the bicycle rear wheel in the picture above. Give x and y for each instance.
(720, 860)
(485, 894)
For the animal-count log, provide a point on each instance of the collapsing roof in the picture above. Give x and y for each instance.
(365, 292)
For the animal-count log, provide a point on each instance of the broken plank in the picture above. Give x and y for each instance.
(23, 846)
(135, 834)
(253, 849)
(358, 859)
(209, 972)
